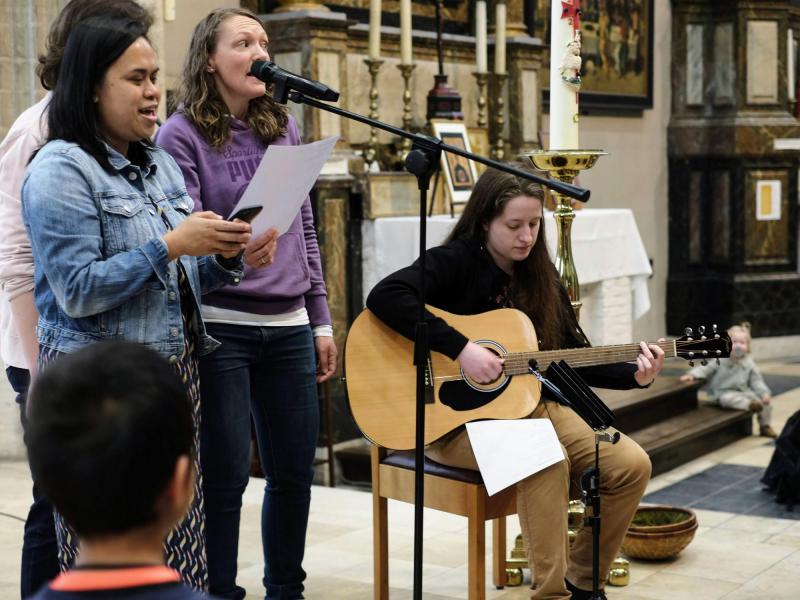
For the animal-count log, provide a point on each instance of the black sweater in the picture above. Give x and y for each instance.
(462, 278)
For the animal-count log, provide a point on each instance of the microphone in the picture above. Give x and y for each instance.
(284, 82)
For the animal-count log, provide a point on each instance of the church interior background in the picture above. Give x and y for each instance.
(693, 215)
(693, 102)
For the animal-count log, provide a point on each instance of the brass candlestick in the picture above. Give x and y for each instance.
(565, 165)
(482, 79)
(499, 84)
(405, 71)
(371, 151)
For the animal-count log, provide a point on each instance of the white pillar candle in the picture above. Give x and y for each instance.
(405, 32)
(500, 38)
(563, 100)
(375, 29)
(480, 36)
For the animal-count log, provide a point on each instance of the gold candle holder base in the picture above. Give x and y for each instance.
(482, 79)
(517, 560)
(565, 165)
(405, 71)
(371, 151)
(620, 573)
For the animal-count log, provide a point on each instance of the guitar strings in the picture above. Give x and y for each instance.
(517, 362)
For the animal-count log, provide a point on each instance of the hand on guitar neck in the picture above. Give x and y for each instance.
(649, 363)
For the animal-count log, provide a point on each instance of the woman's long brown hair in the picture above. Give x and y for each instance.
(535, 286)
(199, 99)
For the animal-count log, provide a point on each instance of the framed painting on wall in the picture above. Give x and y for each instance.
(616, 53)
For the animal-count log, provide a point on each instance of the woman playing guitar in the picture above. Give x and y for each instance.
(496, 257)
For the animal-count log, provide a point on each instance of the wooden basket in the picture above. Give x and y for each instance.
(657, 545)
(678, 519)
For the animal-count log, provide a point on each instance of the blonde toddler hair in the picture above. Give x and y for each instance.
(742, 328)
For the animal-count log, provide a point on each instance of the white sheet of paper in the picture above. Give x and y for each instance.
(508, 451)
(282, 182)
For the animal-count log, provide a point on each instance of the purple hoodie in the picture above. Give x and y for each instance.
(215, 179)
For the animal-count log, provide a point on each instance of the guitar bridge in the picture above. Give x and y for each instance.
(429, 395)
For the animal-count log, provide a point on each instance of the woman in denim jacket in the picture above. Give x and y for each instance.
(117, 254)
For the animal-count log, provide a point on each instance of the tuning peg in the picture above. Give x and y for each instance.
(714, 328)
(701, 330)
(688, 331)
(704, 362)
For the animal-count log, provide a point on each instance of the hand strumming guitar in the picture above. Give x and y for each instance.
(480, 364)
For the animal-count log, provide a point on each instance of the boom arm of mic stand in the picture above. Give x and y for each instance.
(573, 191)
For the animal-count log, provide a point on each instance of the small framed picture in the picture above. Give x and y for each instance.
(459, 173)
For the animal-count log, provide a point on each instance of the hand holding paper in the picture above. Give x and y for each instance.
(282, 183)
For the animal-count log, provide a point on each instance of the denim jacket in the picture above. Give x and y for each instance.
(101, 267)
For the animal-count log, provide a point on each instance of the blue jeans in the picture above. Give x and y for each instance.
(39, 546)
(269, 374)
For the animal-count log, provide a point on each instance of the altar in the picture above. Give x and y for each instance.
(610, 259)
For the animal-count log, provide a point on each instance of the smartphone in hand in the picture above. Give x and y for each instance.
(246, 214)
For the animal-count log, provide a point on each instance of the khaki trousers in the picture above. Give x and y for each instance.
(542, 500)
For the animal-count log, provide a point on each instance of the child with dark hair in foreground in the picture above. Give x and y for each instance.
(110, 443)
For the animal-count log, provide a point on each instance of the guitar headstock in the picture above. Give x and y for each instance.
(702, 347)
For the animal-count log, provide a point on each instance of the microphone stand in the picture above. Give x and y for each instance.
(422, 161)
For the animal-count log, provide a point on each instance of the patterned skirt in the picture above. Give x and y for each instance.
(185, 546)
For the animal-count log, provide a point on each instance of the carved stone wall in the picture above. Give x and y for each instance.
(733, 194)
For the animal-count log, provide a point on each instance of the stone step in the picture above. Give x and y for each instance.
(640, 408)
(684, 437)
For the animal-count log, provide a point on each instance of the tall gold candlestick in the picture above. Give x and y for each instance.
(374, 65)
(499, 84)
(565, 165)
(482, 79)
(405, 71)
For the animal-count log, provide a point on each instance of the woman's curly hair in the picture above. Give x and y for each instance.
(199, 99)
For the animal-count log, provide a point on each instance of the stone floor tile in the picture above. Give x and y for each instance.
(724, 561)
(759, 524)
(671, 586)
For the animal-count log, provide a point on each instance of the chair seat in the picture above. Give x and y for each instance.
(405, 460)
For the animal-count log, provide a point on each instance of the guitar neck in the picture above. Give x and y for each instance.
(517, 362)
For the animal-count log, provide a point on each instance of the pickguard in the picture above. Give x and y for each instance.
(460, 396)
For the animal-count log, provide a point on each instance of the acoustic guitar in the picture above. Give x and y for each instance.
(381, 378)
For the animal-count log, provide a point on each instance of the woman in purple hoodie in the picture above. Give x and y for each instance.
(275, 328)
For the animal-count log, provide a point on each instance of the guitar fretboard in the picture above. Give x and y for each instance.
(517, 363)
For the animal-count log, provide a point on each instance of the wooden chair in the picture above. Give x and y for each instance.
(456, 491)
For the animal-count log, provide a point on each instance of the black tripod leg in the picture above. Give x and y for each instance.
(590, 485)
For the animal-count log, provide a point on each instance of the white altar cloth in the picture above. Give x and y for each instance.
(605, 245)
